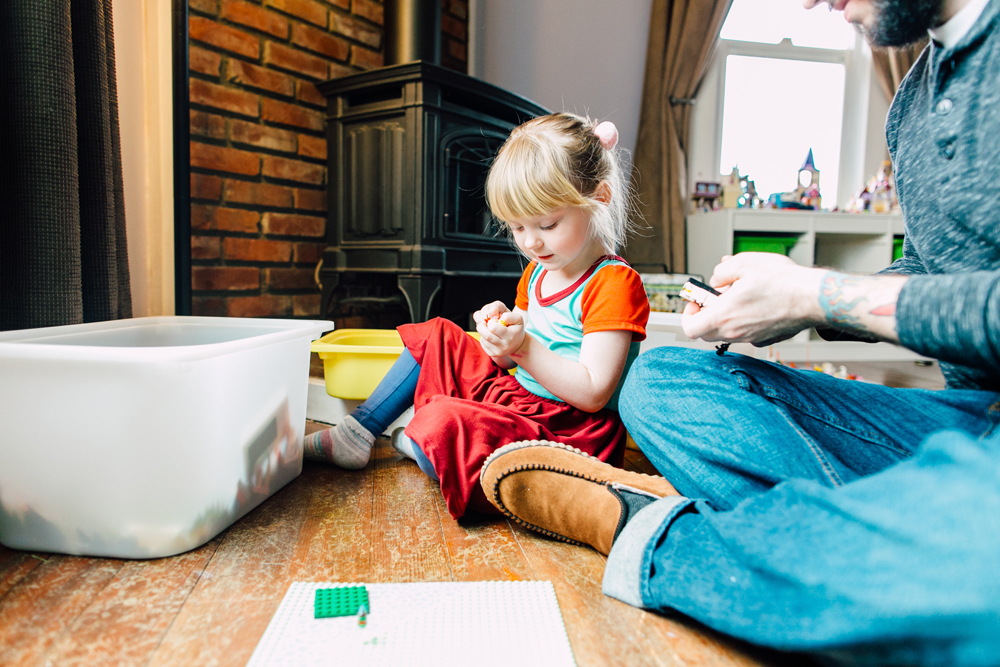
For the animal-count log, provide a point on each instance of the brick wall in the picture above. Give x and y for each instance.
(258, 150)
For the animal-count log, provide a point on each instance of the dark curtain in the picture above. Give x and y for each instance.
(63, 257)
(682, 38)
(892, 64)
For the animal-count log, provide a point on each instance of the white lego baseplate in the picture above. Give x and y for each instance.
(452, 623)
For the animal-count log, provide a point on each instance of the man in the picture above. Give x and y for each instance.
(856, 522)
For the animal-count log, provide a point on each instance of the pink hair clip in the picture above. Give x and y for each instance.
(608, 134)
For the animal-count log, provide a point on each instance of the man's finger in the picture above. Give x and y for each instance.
(726, 272)
(697, 325)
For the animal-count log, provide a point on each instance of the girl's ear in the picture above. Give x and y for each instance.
(602, 193)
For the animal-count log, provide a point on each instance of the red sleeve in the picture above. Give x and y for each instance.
(521, 300)
(615, 300)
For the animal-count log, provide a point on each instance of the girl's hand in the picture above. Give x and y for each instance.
(490, 311)
(502, 334)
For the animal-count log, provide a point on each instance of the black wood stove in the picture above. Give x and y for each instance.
(409, 148)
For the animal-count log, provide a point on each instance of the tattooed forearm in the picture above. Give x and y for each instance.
(864, 305)
(837, 306)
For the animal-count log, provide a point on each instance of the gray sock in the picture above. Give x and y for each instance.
(402, 443)
(348, 445)
(411, 450)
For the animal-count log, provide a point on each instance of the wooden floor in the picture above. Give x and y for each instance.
(912, 374)
(386, 523)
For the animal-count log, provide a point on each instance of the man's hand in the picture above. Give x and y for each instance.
(765, 298)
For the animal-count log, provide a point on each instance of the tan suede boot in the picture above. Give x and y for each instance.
(563, 493)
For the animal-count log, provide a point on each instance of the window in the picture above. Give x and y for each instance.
(774, 112)
(787, 80)
(771, 21)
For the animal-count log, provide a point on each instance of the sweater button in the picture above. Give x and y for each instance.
(943, 107)
(948, 151)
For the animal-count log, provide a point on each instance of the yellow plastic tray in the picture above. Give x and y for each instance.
(356, 360)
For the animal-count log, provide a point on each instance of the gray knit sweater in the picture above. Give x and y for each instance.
(943, 131)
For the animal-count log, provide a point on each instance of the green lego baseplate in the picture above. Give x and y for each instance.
(342, 601)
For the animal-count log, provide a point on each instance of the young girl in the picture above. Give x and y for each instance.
(579, 315)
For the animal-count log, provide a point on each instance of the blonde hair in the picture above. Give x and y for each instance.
(558, 161)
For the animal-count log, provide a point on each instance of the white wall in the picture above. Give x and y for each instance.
(144, 66)
(584, 56)
(876, 150)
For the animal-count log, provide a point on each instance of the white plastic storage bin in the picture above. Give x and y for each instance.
(147, 437)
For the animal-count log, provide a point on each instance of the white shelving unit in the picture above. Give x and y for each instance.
(859, 243)
(665, 329)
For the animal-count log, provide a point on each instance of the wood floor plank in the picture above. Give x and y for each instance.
(604, 631)
(335, 542)
(899, 373)
(407, 538)
(14, 566)
(44, 605)
(601, 631)
(127, 620)
(698, 646)
(482, 548)
(214, 634)
(636, 461)
(233, 601)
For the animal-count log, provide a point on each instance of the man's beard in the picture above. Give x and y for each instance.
(901, 22)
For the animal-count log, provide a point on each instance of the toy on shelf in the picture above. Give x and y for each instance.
(706, 195)
(879, 195)
(663, 291)
(827, 368)
(736, 192)
(838, 372)
(750, 197)
(806, 195)
(732, 189)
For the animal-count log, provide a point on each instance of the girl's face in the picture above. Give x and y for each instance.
(559, 240)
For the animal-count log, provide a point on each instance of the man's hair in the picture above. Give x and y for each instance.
(557, 161)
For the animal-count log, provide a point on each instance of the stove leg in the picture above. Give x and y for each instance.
(329, 282)
(419, 292)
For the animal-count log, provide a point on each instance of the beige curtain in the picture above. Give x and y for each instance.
(682, 36)
(892, 64)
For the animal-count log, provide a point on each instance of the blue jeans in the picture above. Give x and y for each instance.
(393, 395)
(855, 522)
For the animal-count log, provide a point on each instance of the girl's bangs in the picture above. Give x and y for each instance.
(528, 191)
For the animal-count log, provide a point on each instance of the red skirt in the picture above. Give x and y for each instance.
(467, 407)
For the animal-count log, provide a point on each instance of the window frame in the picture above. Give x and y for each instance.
(857, 83)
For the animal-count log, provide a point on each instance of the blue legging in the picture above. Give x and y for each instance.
(393, 395)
